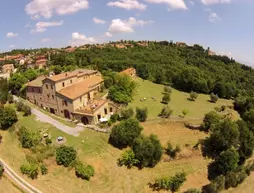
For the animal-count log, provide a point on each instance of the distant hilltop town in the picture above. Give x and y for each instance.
(39, 58)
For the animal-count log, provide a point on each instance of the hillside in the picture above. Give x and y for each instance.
(179, 101)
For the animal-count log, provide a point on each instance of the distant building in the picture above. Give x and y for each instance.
(70, 50)
(17, 57)
(129, 71)
(143, 43)
(41, 63)
(181, 44)
(211, 53)
(8, 68)
(71, 95)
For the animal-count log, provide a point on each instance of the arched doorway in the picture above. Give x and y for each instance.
(67, 114)
(85, 120)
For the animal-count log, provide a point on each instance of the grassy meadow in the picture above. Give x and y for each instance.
(93, 148)
(179, 101)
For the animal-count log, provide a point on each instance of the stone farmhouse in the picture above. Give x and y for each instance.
(72, 95)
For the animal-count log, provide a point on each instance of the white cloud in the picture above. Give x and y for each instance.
(125, 26)
(42, 26)
(11, 35)
(213, 17)
(107, 34)
(47, 8)
(210, 2)
(173, 4)
(79, 39)
(12, 46)
(98, 21)
(45, 40)
(127, 4)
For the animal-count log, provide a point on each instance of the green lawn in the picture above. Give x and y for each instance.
(179, 101)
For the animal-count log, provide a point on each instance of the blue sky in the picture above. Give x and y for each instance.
(225, 26)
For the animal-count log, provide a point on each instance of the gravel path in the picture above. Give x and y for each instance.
(47, 119)
(20, 181)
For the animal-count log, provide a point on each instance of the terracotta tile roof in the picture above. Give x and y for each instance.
(67, 75)
(8, 66)
(91, 108)
(128, 71)
(37, 82)
(78, 89)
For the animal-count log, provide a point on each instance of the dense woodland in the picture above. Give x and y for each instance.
(186, 68)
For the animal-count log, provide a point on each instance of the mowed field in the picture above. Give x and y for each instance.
(96, 151)
(179, 101)
(7, 186)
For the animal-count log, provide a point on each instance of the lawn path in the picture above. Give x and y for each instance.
(20, 181)
(47, 119)
(75, 131)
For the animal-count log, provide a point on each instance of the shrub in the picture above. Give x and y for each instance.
(8, 117)
(31, 170)
(226, 162)
(1, 170)
(127, 113)
(166, 98)
(171, 151)
(210, 118)
(114, 117)
(185, 112)
(192, 190)
(44, 169)
(84, 172)
(19, 105)
(173, 183)
(165, 112)
(26, 110)
(193, 96)
(128, 159)
(177, 181)
(147, 150)
(241, 176)
(219, 182)
(10, 98)
(65, 155)
(125, 132)
(28, 139)
(167, 89)
(214, 97)
(48, 141)
(141, 114)
(231, 180)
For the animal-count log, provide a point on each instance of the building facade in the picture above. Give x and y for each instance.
(72, 95)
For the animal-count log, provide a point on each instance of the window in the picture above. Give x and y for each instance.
(80, 99)
(111, 109)
(63, 84)
(71, 81)
(106, 111)
(99, 117)
(52, 87)
(53, 97)
(65, 103)
(47, 86)
(61, 111)
(48, 95)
